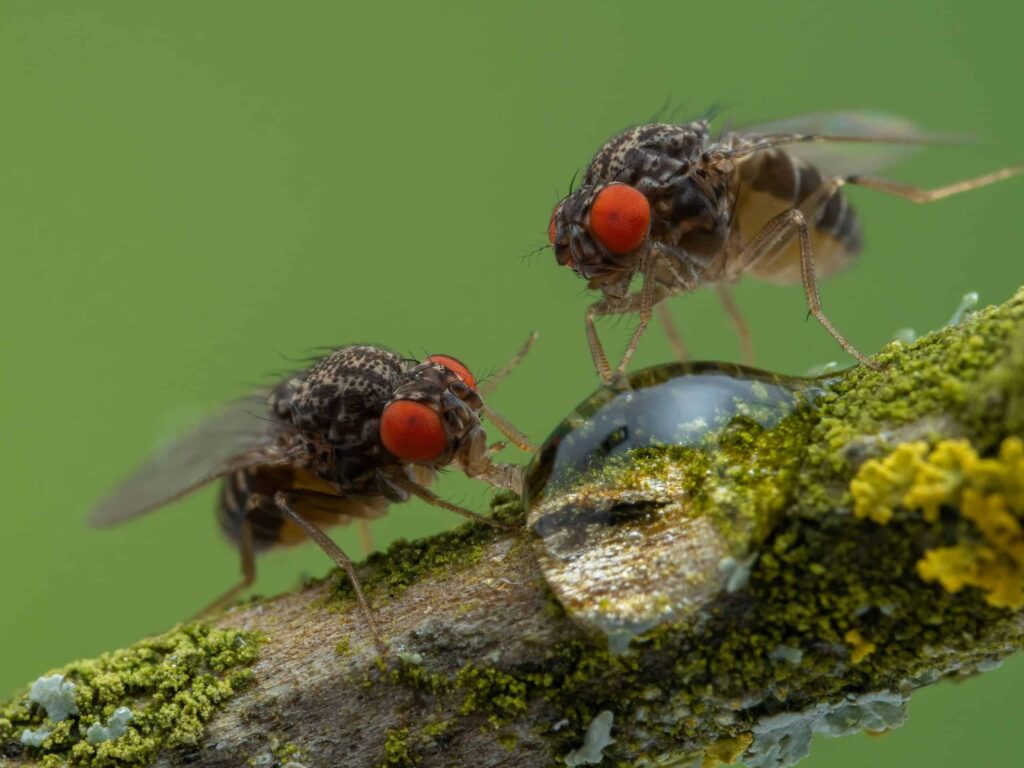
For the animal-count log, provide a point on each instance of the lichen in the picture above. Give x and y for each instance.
(986, 492)
(56, 695)
(595, 741)
(114, 729)
(726, 751)
(387, 574)
(860, 648)
(783, 740)
(173, 684)
(404, 747)
(398, 752)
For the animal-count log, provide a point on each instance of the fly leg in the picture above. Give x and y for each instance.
(642, 302)
(742, 329)
(671, 332)
(599, 309)
(402, 481)
(340, 559)
(777, 233)
(647, 265)
(365, 536)
(248, 553)
(627, 305)
(922, 196)
(492, 382)
(517, 438)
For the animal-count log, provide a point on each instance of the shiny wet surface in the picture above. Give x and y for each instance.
(646, 500)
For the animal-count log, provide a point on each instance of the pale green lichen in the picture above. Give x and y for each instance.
(56, 695)
(114, 729)
(173, 684)
(783, 740)
(597, 738)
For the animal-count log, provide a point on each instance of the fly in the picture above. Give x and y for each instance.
(683, 209)
(362, 428)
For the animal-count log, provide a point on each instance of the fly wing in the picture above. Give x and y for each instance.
(849, 142)
(241, 436)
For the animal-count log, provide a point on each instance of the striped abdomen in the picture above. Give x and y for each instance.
(251, 492)
(771, 182)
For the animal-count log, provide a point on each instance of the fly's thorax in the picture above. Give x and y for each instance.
(334, 398)
(335, 406)
(656, 151)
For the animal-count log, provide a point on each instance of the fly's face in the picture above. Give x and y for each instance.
(433, 414)
(601, 231)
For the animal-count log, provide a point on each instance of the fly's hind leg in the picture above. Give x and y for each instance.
(248, 553)
(922, 196)
(340, 559)
(777, 233)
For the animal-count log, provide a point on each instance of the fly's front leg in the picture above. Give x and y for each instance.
(400, 480)
(647, 266)
(671, 332)
(475, 460)
(488, 386)
(777, 233)
(631, 303)
(517, 438)
(738, 322)
(599, 309)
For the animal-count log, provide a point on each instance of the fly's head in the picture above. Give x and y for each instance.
(601, 232)
(434, 413)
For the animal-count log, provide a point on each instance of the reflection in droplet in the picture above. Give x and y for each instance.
(650, 497)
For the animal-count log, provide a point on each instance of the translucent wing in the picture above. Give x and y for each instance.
(850, 142)
(241, 436)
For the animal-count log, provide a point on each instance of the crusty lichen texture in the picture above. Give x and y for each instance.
(125, 707)
(988, 494)
(838, 615)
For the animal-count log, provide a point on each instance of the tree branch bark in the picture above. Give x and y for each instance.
(837, 623)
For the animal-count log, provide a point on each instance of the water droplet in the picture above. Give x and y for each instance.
(641, 498)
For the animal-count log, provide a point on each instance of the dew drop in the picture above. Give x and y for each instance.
(646, 492)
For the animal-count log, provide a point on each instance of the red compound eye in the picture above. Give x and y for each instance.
(455, 367)
(553, 226)
(412, 431)
(619, 218)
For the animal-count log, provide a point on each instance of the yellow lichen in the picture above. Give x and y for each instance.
(880, 485)
(726, 751)
(860, 648)
(988, 492)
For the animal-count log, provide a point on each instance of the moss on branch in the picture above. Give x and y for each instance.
(892, 560)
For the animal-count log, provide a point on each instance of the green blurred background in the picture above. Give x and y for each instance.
(193, 193)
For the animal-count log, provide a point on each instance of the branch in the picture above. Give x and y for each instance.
(882, 555)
